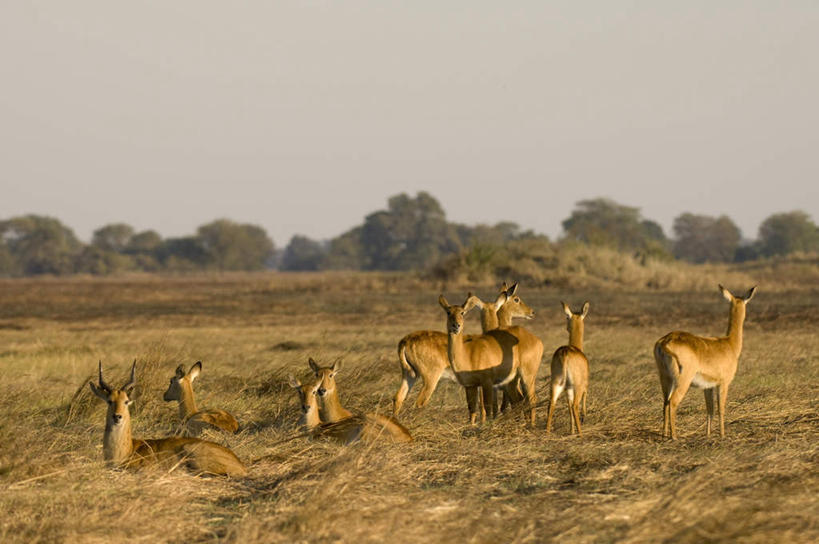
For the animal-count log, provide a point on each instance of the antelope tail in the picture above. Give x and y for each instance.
(667, 360)
(402, 358)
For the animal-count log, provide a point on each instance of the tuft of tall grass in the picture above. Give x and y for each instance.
(154, 366)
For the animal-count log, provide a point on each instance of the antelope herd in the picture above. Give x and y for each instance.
(503, 357)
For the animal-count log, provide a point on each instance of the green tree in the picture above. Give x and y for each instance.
(702, 238)
(411, 234)
(145, 242)
(234, 246)
(97, 261)
(345, 252)
(497, 234)
(602, 221)
(302, 253)
(185, 253)
(784, 233)
(40, 245)
(114, 237)
(8, 264)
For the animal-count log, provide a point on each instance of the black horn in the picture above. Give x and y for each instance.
(132, 380)
(104, 385)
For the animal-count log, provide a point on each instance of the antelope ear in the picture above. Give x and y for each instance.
(473, 301)
(501, 300)
(98, 392)
(294, 383)
(336, 366)
(504, 287)
(750, 294)
(566, 309)
(313, 365)
(585, 310)
(180, 372)
(442, 301)
(195, 370)
(478, 302)
(726, 293)
(512, 290)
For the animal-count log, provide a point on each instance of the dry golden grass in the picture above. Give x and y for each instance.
(498, 482)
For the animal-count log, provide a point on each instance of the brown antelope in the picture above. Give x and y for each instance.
(345, 431)
(120, 449)
(310, 419)
(193, 419)
(487, 360)
(708, 363)
(498, 315)
(342, 424)
(424, 353)
(570, 371)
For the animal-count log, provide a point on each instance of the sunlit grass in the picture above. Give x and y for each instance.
(497, 482)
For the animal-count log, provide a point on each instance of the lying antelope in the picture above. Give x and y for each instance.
(423, 354)
(345, 431)
(342, 424)
(570, 371)
(193, 419)
(708, 363)
(487, 360)
(310, 419)
(120, 449)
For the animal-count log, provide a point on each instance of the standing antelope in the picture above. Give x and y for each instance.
(487, 360)
(708, 363)
(498, 315)
(120, 449)
(342, 424)
(424, 353)
(194, 420)
(570, 370)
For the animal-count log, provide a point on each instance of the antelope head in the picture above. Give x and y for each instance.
(737, 301)
(307, 399)
(325, 376)
(514, 304)
(117, 399)
(182, 380)
(455, 314)
(574, 321)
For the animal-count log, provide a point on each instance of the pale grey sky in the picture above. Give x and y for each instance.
(305, 116)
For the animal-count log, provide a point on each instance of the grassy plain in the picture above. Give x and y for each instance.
(499, 482)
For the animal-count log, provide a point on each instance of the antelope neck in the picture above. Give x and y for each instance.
(576, 334)
(504, 317)
(489, 317)
(187, 403)
(333, 410)
(735, 323)
(455, 351)
(310, 419)
(117, 444)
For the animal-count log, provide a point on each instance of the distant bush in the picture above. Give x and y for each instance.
(577, 266)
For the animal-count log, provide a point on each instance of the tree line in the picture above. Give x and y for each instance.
(412, 233)
(33, 244)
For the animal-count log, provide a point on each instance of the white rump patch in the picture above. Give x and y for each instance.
(506, 380)
(701, 382)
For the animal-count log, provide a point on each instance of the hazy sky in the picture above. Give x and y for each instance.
(305, 116)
